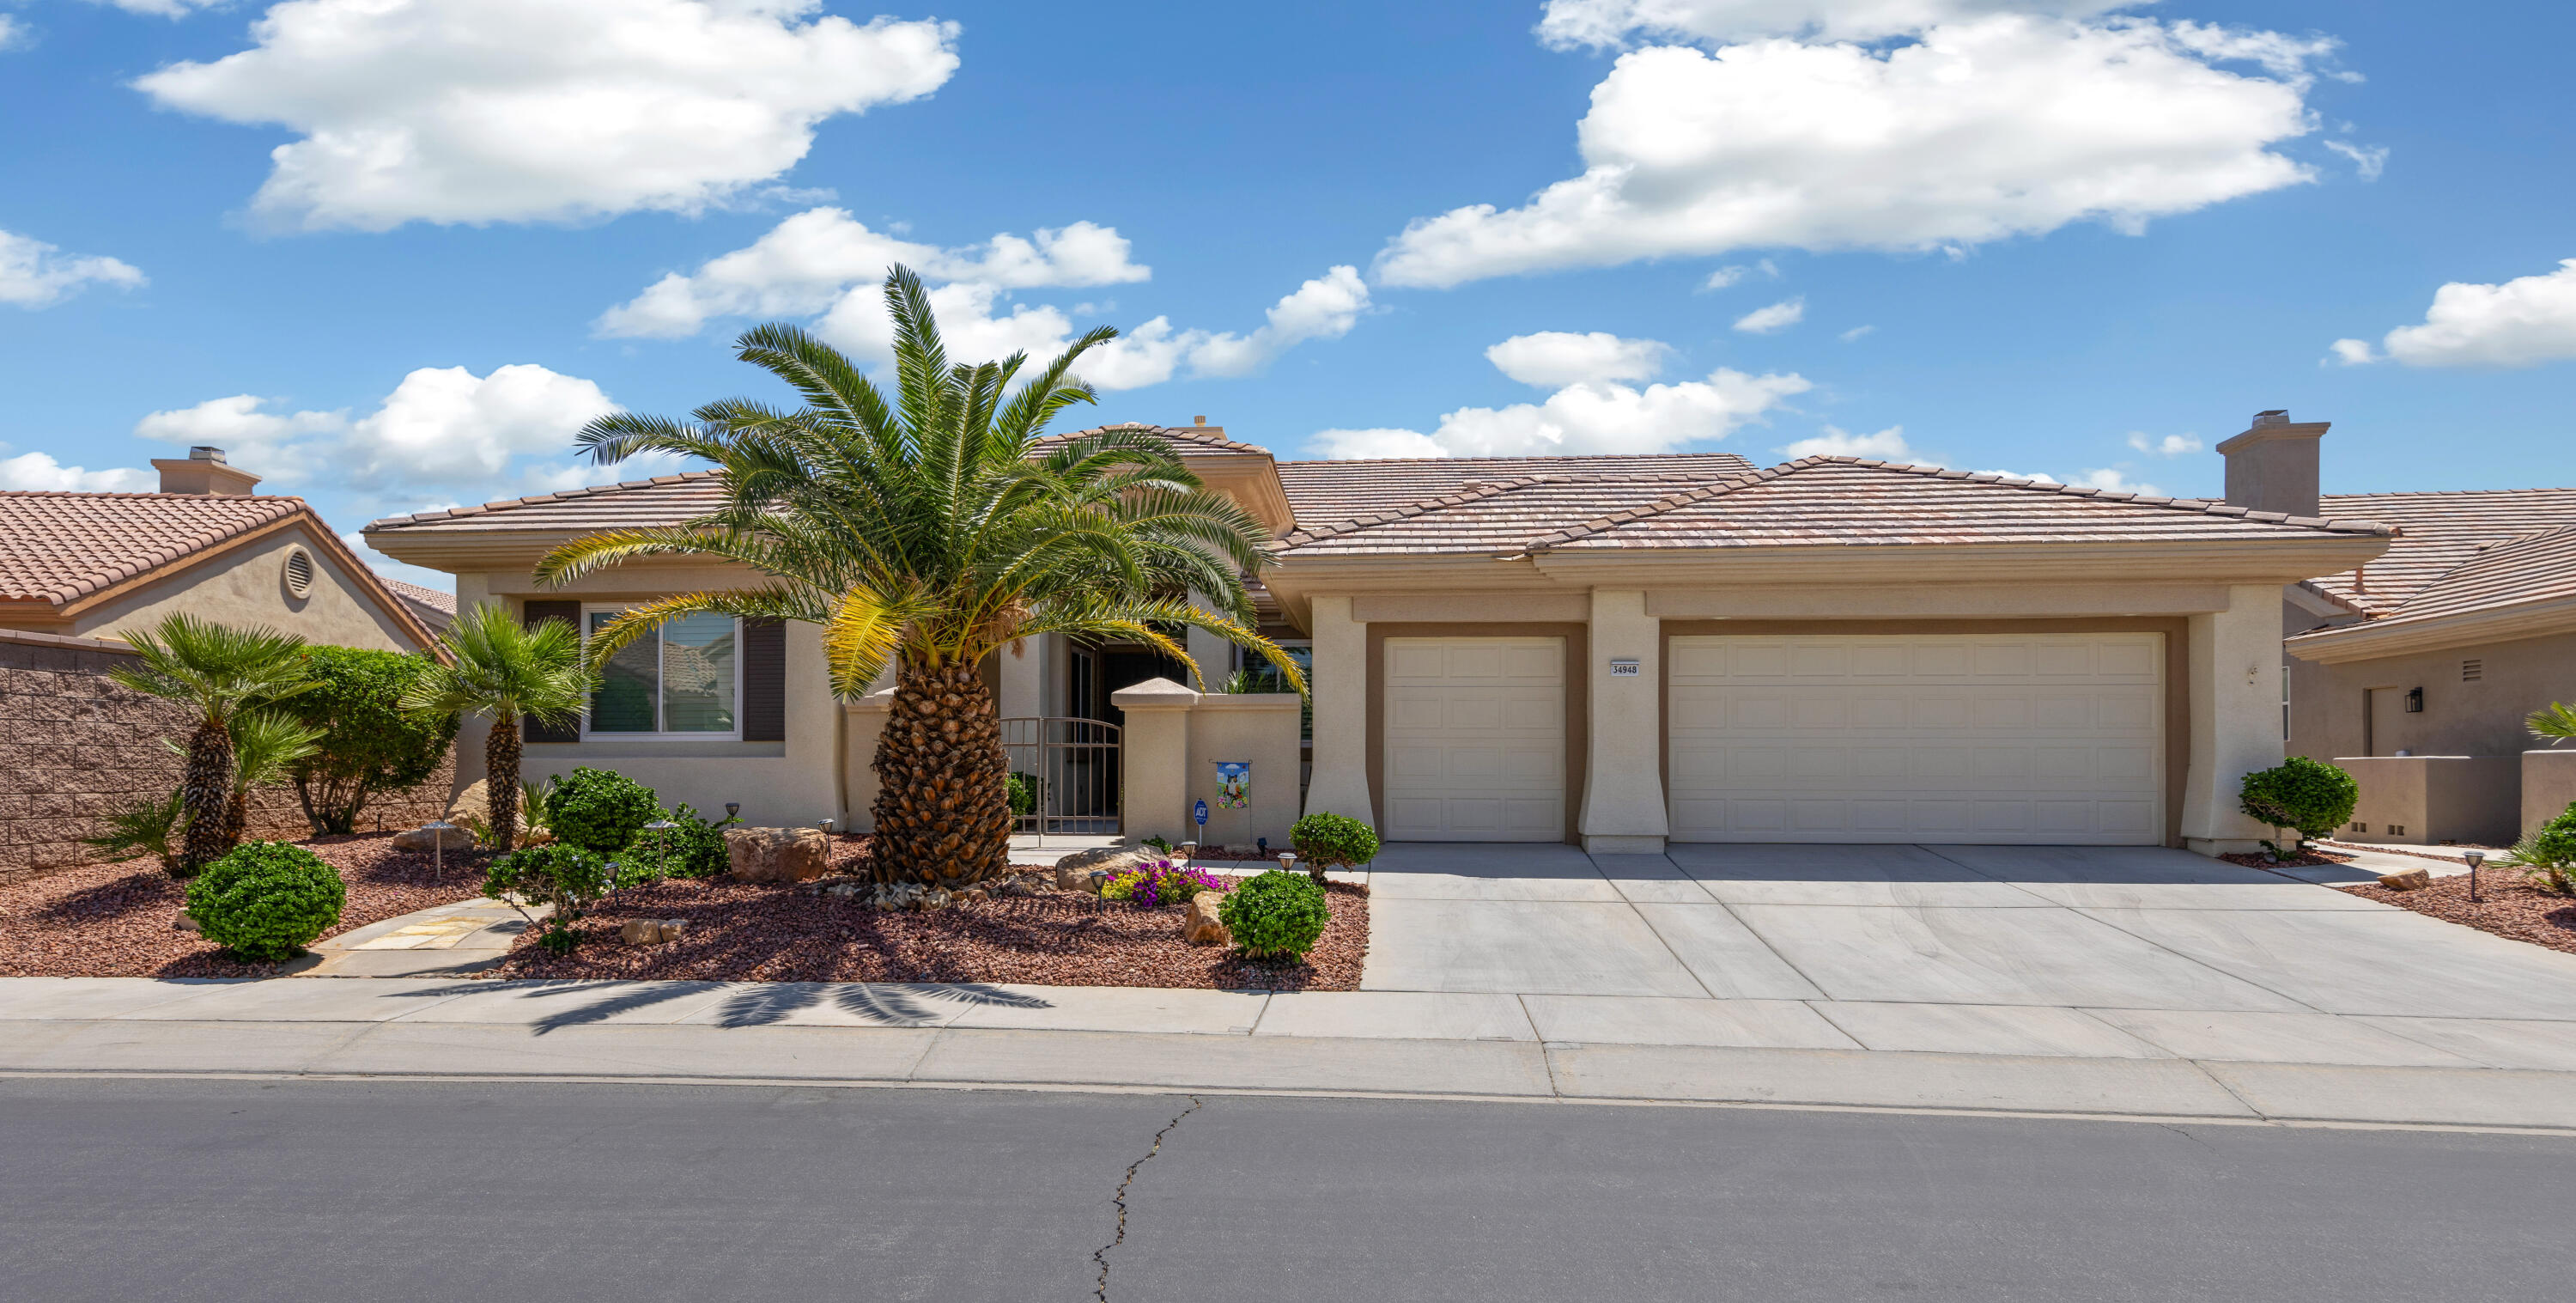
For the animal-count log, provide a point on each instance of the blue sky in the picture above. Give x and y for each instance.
(391, 251)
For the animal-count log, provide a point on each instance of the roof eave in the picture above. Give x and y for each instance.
(2285, 560)
(2402, 635)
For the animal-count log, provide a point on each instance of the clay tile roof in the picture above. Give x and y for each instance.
(1815, 501)
(664, 500)
(2438, 533)
(2535, 568)
(431, 607)
(1331, 492)
(1188, 436)
(61, 547)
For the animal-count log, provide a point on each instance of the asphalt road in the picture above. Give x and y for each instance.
(232, 1190)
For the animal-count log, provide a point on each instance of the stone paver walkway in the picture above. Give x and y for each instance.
(442, 941)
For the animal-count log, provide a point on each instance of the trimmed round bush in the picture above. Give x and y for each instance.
(1276, 915)
(2314, 797)
(1332, 841)
(266, 900)
(599, 810)
(2555, 843)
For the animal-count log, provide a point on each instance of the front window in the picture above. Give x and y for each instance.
(681, 680)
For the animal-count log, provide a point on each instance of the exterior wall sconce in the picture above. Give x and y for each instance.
(2414, 701)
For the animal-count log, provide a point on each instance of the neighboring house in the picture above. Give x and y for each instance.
(2437, 651)
(93, 565)
(434, 609)
(1615, 651)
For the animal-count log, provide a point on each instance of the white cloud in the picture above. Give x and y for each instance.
(1553, 359)
(161, 8)
(1589, 416)
(39, 471)
(807, 262)
(34, 274)
(1886, 445)
(1779, 316)
(2522, 322)
(13, 33)
(1323, 308)
(2172, 445)
(473, 111)
(1723, 277)
(2368, 161)
(1609, 23)
(441, 427)
(2110, 479)
(1855, 333)
(1985, 128)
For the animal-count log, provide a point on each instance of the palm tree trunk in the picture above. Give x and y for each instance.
(236, 818)
(501, 778)
(943, 807)
(207, 795)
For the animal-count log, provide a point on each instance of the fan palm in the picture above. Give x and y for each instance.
(924, 530)
(216, 671)
(2553, 723)
(265, 745)
(498, 668)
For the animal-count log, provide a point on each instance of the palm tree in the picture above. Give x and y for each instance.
(265, 745)
(216, 671)
(924, 531)
(494, 666)
(2553, 723)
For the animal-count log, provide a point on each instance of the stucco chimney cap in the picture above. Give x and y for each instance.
(2273, 416)
(205, 452)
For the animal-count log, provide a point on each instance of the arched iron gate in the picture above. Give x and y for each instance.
(1071, 768)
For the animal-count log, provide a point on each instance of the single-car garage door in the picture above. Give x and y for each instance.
(1475, 739)
(1937, 738)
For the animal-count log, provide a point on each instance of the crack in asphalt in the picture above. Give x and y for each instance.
(1101, 1254)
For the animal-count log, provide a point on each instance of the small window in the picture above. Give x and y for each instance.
(2361, 827)
(2396, 830)
(681, 680)
(2472, 671)
(299, 572)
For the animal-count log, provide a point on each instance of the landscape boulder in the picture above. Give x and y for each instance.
(1074, 872)
(474, 803)
(450, 837)
(1201, 925)
(777, 854)
(652, 931)
(2407, 880)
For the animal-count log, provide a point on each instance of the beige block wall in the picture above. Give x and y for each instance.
(2548, 786)
(2429, 800)
(2482, 718)
(247, 586)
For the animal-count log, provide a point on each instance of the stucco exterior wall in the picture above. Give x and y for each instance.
(2429, 800)
(247, 586)
(2548, 786)
(1173, 740)
(2328, 702)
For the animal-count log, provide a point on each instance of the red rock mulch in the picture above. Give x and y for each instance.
(793, 933)
(2509, 909)
(113, 920)
(2310, 856)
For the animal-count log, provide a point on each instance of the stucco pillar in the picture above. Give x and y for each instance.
(1154, 760)
(867, 721)
(1339, 685)
(1023, 666)
(813, 748)
(1623, 795)
(2235, 660)
(1215, 656)
(473, 589)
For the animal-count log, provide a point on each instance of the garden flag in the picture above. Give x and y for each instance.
(1233, 777)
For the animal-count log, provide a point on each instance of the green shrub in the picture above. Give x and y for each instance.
(2548, 856)
(2313, 797)
(368, 743)
(266, 900)
(1275, 915)
(599, 810)
(1024, 794)
(695, 849)
(566, 877)
(146, 825)
(1332, 841)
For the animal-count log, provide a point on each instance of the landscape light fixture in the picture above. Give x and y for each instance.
(438, 830)
(661, 829)
(2475, 858)
(1287, 861)
(733, 809)
(1189, 854)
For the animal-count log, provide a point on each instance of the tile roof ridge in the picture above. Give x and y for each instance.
(150, 495)
(2198, 506)
(1419, 507)
(1669, 502)
(1179, 433)
(2481, 555)
(2449, 493)
(559, 495)
(1532, 456)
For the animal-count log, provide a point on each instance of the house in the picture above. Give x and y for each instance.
(1612, 651)
(93, 565)
(2418, 669)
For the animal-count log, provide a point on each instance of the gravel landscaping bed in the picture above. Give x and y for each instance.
(113, 920)
(2509, 909)
(2258, 860)
(741, 932)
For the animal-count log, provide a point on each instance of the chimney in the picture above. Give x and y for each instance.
(204, 472)
(2273, 465)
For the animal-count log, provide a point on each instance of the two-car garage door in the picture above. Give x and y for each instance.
(1947, 737)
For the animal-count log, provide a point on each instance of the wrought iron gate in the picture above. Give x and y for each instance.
(1069, 769)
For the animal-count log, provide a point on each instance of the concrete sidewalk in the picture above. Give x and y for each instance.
(2434, 1071)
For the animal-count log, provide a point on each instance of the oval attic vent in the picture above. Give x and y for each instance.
(299, 572)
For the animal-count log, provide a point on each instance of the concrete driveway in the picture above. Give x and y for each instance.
(2083, 951)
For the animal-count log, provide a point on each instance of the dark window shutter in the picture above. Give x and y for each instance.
(764, 681)
(535, 613)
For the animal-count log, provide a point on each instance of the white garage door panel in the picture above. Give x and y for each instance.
(1475, 739)
(1979, 738)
